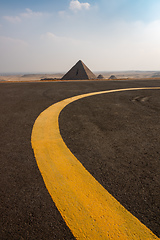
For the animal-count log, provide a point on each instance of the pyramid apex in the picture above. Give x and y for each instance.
(80, 61)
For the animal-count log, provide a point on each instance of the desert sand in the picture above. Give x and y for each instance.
(120, 75)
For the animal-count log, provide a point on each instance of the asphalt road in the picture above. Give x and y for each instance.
(115, 136)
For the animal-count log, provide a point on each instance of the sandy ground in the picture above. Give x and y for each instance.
(57, 76)
(28, 77)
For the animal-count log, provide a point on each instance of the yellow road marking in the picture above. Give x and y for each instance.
(87, 208)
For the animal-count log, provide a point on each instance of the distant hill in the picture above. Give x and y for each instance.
(130, 74)
(156, 75)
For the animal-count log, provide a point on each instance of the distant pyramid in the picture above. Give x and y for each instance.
(79, 72)
(112, 77)
(100, 76)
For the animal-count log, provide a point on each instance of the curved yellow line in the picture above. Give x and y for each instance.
(87, 208)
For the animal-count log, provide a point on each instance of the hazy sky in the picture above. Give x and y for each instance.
(52, 35)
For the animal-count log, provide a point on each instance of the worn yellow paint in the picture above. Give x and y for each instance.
(87, 208)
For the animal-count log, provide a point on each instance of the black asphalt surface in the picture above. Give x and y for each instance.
(115, 136)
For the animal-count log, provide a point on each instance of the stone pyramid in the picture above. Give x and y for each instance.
(79, 72)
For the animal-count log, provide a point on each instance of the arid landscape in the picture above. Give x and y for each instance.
(57, 76)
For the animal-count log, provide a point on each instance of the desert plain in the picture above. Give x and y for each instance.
(128, 75)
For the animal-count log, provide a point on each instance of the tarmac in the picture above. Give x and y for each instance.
(115, 136)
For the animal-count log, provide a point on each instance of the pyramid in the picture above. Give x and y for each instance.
(112, 77)
(79, 72)
(100, 76)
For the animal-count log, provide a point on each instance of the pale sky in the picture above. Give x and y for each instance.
(52, 35)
